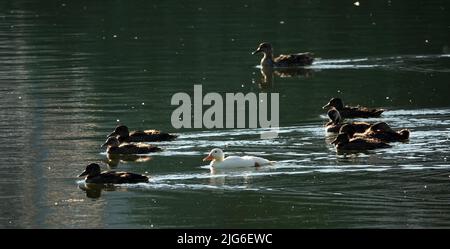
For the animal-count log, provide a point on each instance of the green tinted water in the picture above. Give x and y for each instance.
(70, 71)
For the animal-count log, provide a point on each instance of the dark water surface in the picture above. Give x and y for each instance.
(71, 70)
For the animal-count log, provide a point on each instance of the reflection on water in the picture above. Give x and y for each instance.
(65, 83)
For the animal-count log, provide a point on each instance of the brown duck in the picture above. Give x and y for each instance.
(125, 136)
(352, 112)
(335, 124)
(94, 175)
(384, 132)
(342, 142)
(290, 60)
(114, 147)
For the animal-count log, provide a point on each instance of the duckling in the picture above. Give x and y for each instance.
(114, 147)
(140, 136)
(94, 175)
(342, 142)
(352, 112)
(335, 123)
(385, 133)
(290, 60)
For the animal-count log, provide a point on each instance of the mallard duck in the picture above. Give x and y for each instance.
(218, 160)
(352, 112)
(335, 124)
(343, 142)
(385, 133)
(94, 175)
(290, 60)
(115, 147)
(125, 136)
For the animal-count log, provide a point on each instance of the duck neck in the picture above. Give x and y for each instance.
(267, 60)
(216, 161)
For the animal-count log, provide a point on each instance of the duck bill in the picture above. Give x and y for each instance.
(208, 158)
(326, 106)
(83, 174)
(256, 51)
(112, 134)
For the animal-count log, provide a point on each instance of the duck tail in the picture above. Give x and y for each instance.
(272, 162)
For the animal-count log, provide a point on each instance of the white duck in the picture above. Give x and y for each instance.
(218, 160)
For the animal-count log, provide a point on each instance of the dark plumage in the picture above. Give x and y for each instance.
(385, 133)
(114, 147)
(352, 112)
(94, 175)
(335, 123)
(125, 136)
(290, 60)
(342, 142)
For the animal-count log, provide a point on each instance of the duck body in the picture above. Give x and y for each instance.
(400, 136)
(125, 136)
(115, 147)
(93, 175)
(282, 61)
(352, 112)
(342, 142)
(360, 112)
(218, 161)
(382, 131)
(127, 148)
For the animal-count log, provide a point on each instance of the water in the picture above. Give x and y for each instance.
(70, 71)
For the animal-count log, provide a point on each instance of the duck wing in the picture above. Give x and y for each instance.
(290, 60)
(359, 112)
(122, 177)
(139, 148)
(151, 136)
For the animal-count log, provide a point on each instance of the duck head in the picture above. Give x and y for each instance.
(341, 139)
(334, 116)
(91, 170)
(404, 134)
(111, 142)
(347, 129)
(334, 102)
(264, 47)
(215, 155)
(120, 130)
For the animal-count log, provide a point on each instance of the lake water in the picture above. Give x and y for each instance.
(70, 71)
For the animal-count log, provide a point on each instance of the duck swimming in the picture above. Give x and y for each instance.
(114, 147)
(352, 112)
(381, 131)
(343, 142)
(335, 124)
(125, 136)
(290, 60)
(94, 175)
(218, 160)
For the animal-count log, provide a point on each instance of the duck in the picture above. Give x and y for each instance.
(382, 131)
(125, 136)
(290, 60)
(335, 124)
(343, 142)
(352, 112)
(115, 147)
(218, 160)
(93, 174)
